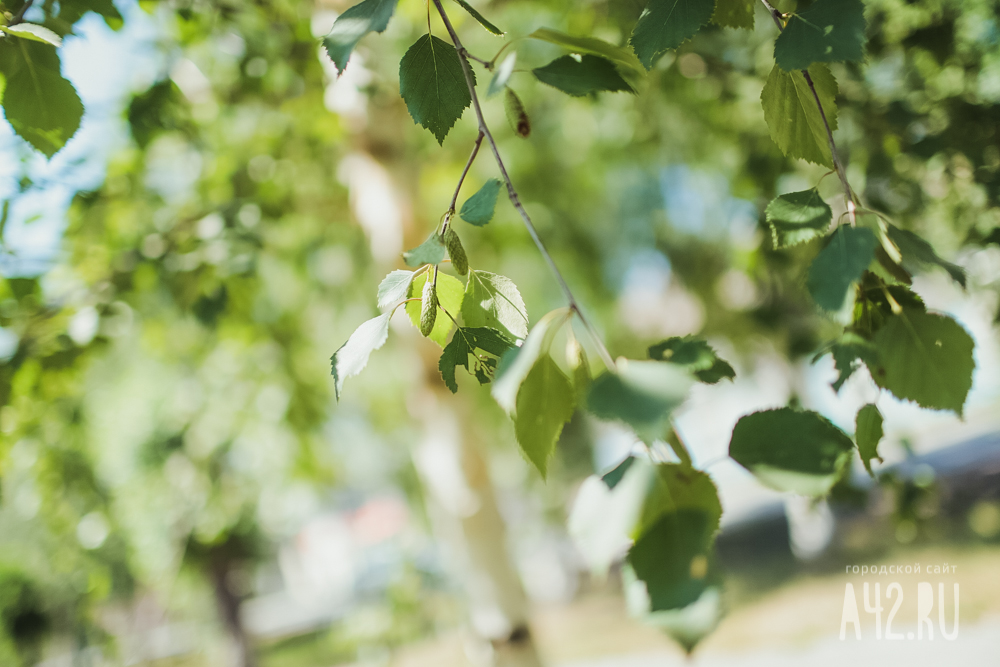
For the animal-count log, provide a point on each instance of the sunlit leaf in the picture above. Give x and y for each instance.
(394, 288)
(450, 293)
(545, 402)
(492, 300)
(352, 357)
(797, 217)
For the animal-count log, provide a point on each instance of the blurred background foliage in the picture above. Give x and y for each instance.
(168, 422)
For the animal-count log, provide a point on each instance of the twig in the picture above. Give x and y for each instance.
(465, 172)
(512, 193)
(19, 17)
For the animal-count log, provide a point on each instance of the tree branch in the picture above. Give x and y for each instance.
(465, 172)
(512, 193)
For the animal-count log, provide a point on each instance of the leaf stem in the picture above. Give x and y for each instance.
(465, 172)
(512, 193)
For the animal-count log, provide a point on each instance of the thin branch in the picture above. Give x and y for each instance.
(512, 193)
(465, 172)
(19, 17)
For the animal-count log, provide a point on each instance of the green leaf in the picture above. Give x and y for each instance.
(918, 255)
(545, 402)
(734, 13)
(479, 17)
(791, 450)
(678, 487)
(485, 346)
(582, 75)
(925, 358)
(70, 11)
(394, 288)
(431, 251)
(666, 24)
(33, 32)
(493, 301)
(694, 354)
(868, 432)
(478, 209)
(792, 116)
(797, 217)
(352, 25)
(615, 475)
(641, 394)
(450, 293)
(840, 264)
(673, 558)
(502, 75)
(516, 364)
(848, 352)
(41, 106)
(828, 31)
(352, 357)
(576, 359)
(624, 59)
(433, 86)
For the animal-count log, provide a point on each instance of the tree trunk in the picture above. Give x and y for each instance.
(229, 610)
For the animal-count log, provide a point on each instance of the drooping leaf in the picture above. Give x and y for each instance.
(625, 61)
(868, 433)
(41, 106)
(502, 74)
(352, 357)
(576, 359)
(33, 32)
(734, 13)
(517, 117)
(394, 288)
(582, 75)
(827, 31)
(791, 450)
(352, 25)
(431, 251)
(666, 24)
(615, 475)
(516, 364)
(479, 17)
(878, 302)
(694, 354)
(492, 300)
(450, 293)
(797, 217)
(641, 394)
(71, 11)
(478, 209)
(848, 351)
(545, 402)
(918, 255)
(925, 358)
(677, 487)
(432, 84)
(484, 346)
(792, 116)
(839, 265)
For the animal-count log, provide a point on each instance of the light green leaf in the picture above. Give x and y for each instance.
(41, 106)
(839, 265)
(479, 17)
(493, 301)
(694, 354)
(734, 13)
(431, 251)
(352, 357)
(516, 364)
(433, 86)
(34, 32)
(792, 116)
(450, 293)
(868, 432)
(502, 74)
(624, 59)
(484, 346)
(925, 358)
(918, 255)
(545, 402)
(791, 450)
(797, 217)
(478, 209)
(582, 75)
(666, 24)
(641, 394)
(828, 31)
(352, 25)
(394, 288)
(677, 487)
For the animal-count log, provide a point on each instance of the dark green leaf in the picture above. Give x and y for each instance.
(641, 394)
(925, 358)
(694, 354)
(478, 209)
(484, 346)
(450, 293)
(828, 31)
(582, 75)
(431, 251)
(545, 402)
(791, 450)
(353, 24)
(673, 558)
(479, 17)
(70, 11)
(792, 116)
(613, 476)
(797, 217)
(493, 301)
(734, 13)
(840, 264)
(352, 357)
(849, 351)
(433, 86)
(624, 59)
(868, 432)
(666, 24)
(918, 255)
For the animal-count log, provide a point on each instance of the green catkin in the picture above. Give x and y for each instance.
(428, 308)
(456, 251)
(516, 115)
